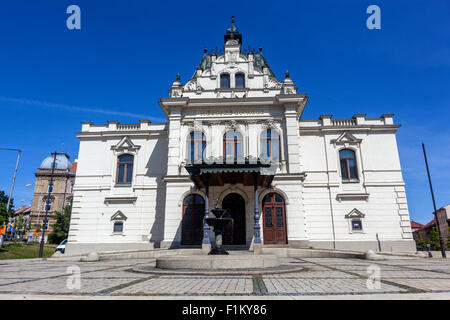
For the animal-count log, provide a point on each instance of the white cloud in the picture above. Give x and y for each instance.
(79, 109)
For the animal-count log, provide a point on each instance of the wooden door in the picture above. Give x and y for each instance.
(192, 224)
(274, 219)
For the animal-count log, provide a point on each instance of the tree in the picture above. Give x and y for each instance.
(434, 240)
(4, 214)
(420, 241)
(61, 226)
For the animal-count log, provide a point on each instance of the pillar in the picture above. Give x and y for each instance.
(257, 244)
(206, 243)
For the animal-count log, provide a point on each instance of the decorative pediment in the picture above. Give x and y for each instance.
(345, 139)
(269, 124)
(355, 213)
(232, 124)
(125, 145)
(119, 216)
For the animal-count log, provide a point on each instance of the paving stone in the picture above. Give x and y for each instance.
(327, 274)
(190, 285)
(425, 284)
(59, 285)
(324, 286)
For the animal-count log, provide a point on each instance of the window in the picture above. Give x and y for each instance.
(232, 144)
(196, 146)
(225, 80)
(270, 145)
(48, 205)
(356, 225)
(240, 80)
(118, 226)
(348, 165)
(125, 169)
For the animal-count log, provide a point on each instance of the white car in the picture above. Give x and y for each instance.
(62, 246)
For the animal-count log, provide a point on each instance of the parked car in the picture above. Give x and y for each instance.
(62, 246)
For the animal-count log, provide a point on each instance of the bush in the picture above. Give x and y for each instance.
(434, 240)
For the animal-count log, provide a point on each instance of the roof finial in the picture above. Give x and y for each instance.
(178, 76)
(232, 33)
(287, 74)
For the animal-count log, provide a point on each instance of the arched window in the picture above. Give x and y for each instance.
(348, 165)
(225, 80)
(196, 145)
(232, 144)
(125, 169)
(240, 80)
(270, 145)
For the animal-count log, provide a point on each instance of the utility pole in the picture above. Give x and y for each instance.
(47, 207)
(441, 242)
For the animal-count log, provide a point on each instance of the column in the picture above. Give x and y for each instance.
(206, 243)
(257, 245)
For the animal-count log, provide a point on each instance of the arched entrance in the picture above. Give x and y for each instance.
(192, 223)
(234, 205)
(274, 219)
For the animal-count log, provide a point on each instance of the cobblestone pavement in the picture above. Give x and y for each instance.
(320, 276)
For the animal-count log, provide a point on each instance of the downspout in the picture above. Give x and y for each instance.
(329, 193)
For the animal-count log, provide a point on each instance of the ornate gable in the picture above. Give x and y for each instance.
(125, 145)
(355, 213)
(119, 216)
(346, 139)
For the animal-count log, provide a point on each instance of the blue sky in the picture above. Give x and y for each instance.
(127, 54)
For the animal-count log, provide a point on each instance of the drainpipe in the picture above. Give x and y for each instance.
(329, 193)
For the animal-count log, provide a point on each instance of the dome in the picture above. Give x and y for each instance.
(62, 162)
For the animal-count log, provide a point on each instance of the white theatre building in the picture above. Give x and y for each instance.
(235, 138)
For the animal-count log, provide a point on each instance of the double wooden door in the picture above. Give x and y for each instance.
(192, 224)
(274, 219)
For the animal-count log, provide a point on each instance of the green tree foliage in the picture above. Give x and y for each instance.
(420, 241)
(434, 240)
(3, 212)
(61, 226)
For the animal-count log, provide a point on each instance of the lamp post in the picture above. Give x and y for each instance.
(47, 207)
(14, 179)
(441, 242)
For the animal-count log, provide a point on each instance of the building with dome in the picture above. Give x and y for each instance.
(63, 181)
(235, 138)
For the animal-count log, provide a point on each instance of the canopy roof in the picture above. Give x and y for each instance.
(217, 172)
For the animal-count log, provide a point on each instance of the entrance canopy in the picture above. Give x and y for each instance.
(219, 171)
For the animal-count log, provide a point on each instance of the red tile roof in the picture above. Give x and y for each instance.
(22, 209)
(416, 225)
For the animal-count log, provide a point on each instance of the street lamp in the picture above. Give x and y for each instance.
(47, 207)
(12, 184)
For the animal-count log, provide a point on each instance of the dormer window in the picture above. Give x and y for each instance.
(240, 80)
(225, 80)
